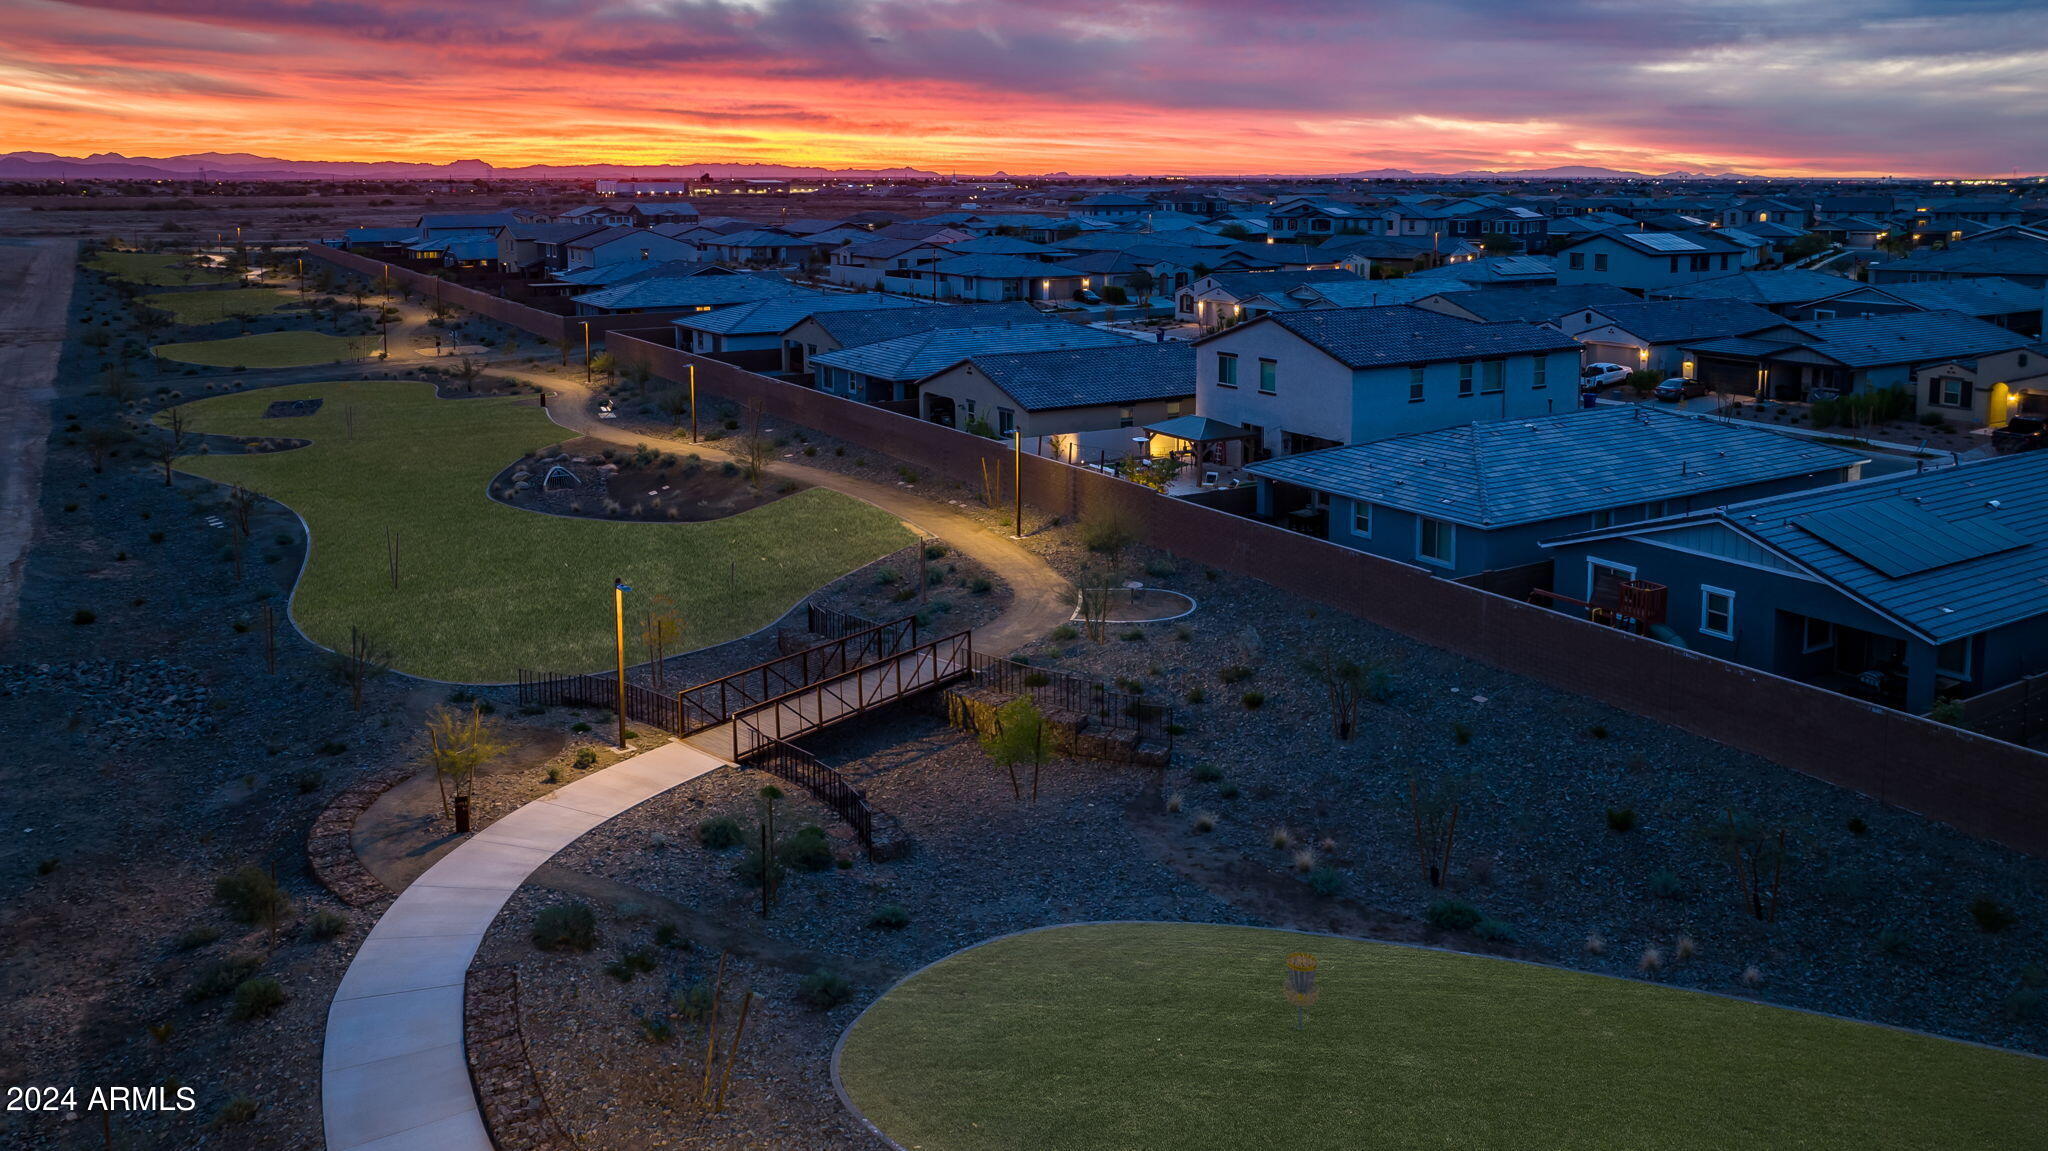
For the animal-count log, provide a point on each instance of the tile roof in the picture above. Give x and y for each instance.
(1975, 296)
(663, 292)
(1538, 303)
(873, 325)
(1907, 337)
(1392, 336)
(998, 267)
(1777, 287)
(1359, 292)
(778, 314)
(1989, 257)
(1507, 472)
(917, 356)
(1670, 321)
(380, 235)
(1496, 269)
(1245, 285)
(620, 271)
(1126, 372)
(1947, 553)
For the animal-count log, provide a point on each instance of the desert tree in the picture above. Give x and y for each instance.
(660, 630)
(99, 442)
(468, 371)
(1020, 736)
(1757, 854)
(677, 404)
(459, 742)
(1434, 805)
(1109, 535)
(1347, 682)
(172, 445)
(364, 661)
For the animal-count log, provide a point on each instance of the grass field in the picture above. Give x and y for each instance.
(486, 589)
(212, 307)
(1174, 1036)
(161, 270)
(271, 350)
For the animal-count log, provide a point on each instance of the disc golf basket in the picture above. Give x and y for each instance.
(1301, 985)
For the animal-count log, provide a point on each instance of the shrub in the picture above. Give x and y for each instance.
(1992, 916)
(194, 938)
(1254, 700)
(636, 961)
(1461, 734)
(807, 850)
(979, 586)
(1326, 881)
(720, 832)
(565, 927)
(1204, 823)
(1892, 940)
(1453, 915)
(326, 925)
(240, 1109)
(222, 976)
(1174, 802)
(258, 997)
(1666, 885)
(586, 758)
(250, 895)
(1206, 773)
(1226, 790)
(2027, 1003)
(693, 1002)
(83, 616)
(1063, 633)
(890, 917)
(1857, 826)
(669, 936)
(1235, 673)
(1597, 731)
(1196, 694)
(1494, 931)
(1160, 568)
(825, 990)
(1621, 819)
(1108, 535)
(657, 1029)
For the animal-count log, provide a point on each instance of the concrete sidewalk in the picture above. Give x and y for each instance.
(394, 1076)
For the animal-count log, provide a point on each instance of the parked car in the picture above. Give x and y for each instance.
(1678, 388)
(1596, 376)
(2021, 434)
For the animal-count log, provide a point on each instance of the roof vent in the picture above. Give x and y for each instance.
(1994, 503)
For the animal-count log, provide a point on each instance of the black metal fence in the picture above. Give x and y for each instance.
(876, 831)
(715, 701)
(1105, 706)
(854, 692)
(643, 704)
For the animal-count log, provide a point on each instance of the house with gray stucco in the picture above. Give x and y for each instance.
(1318, 377)
(1642, 261)
(1484, 496)
(1901, 589)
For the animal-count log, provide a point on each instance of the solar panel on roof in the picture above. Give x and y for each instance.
(1669, 242)
(1901, 539)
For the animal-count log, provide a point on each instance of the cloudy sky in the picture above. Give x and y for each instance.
(1880, 87)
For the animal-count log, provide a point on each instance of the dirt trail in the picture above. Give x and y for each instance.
(35, 296)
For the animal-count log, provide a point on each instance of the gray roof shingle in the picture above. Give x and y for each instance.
(1507, 472)
(1669, 321)
(872, 325)
(1122, 373)
(918, 356)
(1392, 336)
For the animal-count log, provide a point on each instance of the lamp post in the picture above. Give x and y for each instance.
(586, 353)
(1017, 483)
(619, 590)
(693, 403)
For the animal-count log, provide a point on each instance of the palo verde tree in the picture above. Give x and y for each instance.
(1348, 682)
(1021, 735)
(1434, 805)
(459, 742)
(1757, 854)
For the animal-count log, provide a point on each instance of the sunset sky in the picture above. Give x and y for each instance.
(1880, 87)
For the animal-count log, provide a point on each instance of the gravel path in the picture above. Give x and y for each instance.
(35, 293)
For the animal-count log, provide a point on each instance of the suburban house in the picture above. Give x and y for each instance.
(624, 245)
(389, 244)
(2018, 258)
(831, 331)
(864, 264)
(1653, 334)
(1903, 589)
(1823, 358)
(1531, 304)
(1063, 391)
(760, 246)
(1219, 298)
(1319, 377)
(2007, 303)
(1303, 217)
(1783, 290)
(1495, 271)
(1484, 496)
(538, 248)
(1986, 390)
(440, 223)
(1368, 254)
(1111, 206)
(1648, 260)
(889, 371)
(688, 293)
(986, 278)
(759, 324)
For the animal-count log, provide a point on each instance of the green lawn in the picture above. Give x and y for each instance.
(161, 270)
(486, 589)
(212, 307)
(1152, 1037)
(271, 350)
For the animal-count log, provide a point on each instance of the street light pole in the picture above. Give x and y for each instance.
(586, 353)
(693, 403)
(619, 590)
(1017, 483)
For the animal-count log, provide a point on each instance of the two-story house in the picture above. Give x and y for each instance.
(1646, 260)
(1315, 378)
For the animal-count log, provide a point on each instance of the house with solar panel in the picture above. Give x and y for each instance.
(822, 331)
(1482, 497)
(888, 372)
(1643, 261)
(1904, 589)
(1653, 334)
(1063, 391)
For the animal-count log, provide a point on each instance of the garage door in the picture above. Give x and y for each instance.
(1623, 354)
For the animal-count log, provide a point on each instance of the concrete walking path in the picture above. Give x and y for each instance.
(394, 1075)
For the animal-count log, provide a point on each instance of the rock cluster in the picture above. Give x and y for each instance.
(514, 1109)
(124, 700)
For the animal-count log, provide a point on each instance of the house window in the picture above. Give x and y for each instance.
(1599, 261)
(1495, 378)
(1465, 378)
(1123, 418)
(1542, 376)
(1951, 394)
(1604, 518)
(1414, 385)
(1172, 408)
(1361, 518)
(1006, 421)
(1816, 635)
(1598, 570)
(1269, 377)
(1823, 314)
(1435, 542)
(1226, 369)
(969, 404)
(1717, 612)
(1952, 659)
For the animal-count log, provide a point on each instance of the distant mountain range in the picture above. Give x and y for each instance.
(243, 166)
(1568, 172)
